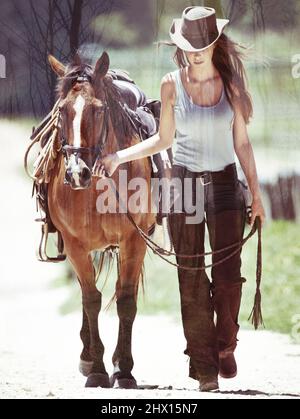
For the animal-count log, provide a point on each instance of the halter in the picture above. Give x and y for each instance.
(88, 154)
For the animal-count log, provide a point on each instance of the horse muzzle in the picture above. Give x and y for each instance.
(78, 175)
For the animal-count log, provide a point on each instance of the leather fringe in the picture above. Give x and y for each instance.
(256, 313)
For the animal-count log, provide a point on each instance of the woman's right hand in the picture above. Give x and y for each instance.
(106, 165)
(257, 211)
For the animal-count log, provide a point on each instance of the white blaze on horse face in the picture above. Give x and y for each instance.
(75, 169)
(78, 107)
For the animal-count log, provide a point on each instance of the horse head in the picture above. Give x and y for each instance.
(83, 110)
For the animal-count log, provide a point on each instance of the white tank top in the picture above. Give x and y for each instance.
(204, 135)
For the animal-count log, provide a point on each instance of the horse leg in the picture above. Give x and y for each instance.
(131, 262)
(86, 363)
(91, 300)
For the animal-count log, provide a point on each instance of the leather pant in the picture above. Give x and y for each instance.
(224, 207)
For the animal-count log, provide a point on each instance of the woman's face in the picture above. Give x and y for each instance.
(200, 58)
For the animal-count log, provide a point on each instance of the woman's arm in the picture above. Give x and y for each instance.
(158, 142)
(244, 152)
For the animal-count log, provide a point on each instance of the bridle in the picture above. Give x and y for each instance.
(87, 154)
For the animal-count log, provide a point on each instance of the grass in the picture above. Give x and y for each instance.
(281, 273)
(280, 281)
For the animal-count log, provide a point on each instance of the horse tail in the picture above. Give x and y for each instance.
(105, 259)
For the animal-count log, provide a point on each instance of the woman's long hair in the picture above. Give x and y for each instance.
(227, 58)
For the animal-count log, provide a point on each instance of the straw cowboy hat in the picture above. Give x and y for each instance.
(198, 28)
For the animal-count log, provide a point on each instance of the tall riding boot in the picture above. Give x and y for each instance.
(227, 228)
(227, 300)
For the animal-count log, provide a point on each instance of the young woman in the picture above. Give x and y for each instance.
(205, 102)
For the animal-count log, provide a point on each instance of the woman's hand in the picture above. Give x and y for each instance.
(106, 165)
(257, 211)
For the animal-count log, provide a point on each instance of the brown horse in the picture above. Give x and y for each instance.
(93, 121)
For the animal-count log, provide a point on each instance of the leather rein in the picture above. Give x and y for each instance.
(97, 150)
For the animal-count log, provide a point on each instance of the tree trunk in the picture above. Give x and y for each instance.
(75, 25)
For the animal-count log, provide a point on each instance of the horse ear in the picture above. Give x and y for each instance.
(57, 66)
(102, 66)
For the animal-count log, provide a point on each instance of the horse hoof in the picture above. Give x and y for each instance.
(123, 383)
(85, 367)
(97, 380)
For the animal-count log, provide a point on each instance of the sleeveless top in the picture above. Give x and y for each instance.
(204, 135)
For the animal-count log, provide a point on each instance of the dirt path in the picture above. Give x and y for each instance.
(39, 353)
(39, 348)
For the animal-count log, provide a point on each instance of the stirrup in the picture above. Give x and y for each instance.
(42, 251)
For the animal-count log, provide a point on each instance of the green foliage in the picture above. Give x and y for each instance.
(280, 278)
(115, 30)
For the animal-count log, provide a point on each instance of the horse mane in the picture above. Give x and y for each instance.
(104, 89)
(120, 118)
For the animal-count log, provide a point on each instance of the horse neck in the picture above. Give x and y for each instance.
(112, 145)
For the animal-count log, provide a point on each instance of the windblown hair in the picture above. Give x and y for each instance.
(104, 89)
(228, 59)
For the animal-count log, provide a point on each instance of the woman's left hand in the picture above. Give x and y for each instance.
(257, 210)
(106, 165)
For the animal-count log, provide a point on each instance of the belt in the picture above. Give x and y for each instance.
(227, 175)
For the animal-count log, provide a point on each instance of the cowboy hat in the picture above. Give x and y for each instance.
(198, 28)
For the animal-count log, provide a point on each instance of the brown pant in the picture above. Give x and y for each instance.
(225, 218)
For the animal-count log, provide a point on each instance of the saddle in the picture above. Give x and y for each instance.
(143, 113)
